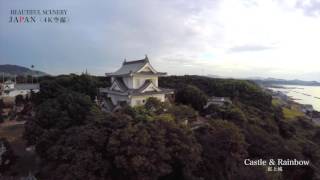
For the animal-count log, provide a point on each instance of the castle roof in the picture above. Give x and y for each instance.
(134, 68)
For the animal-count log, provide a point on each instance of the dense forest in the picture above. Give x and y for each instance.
(159, 141)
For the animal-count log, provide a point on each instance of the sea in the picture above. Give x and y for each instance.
(302, 94)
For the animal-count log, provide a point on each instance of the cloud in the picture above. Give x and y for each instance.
(179, 36)
(310, 7)
(249, 48)
(249, 3)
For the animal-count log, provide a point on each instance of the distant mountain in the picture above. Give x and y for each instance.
(15, 70)
(219, 77)
(214, 76)
(255, 78)
(270, 81)
(274, 81)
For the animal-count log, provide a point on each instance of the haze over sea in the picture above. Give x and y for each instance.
(303, 94)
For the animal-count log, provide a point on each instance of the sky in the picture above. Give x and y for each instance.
(229, 38)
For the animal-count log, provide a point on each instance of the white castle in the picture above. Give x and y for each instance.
(134, 83)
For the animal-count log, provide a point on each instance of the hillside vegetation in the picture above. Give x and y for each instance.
(15, 70)
(76, 140)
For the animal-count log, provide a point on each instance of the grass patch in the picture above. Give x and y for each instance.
(276, 102)
(292, 113)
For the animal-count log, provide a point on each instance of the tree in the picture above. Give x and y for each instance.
(155, 105)
(56, 114)
(7, 156)
(183, 113)
(19, 100)
(224, 148)
(247, 92)
(193, 96)
(49, 89)
(76, 140)
(117, 147)
(1, 111)
(154, 149)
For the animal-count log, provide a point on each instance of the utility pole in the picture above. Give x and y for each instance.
(32, 66)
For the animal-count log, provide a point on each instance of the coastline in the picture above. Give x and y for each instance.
(305, 96)
(288, 102)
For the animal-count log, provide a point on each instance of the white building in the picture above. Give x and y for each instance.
(11, 89)
(218, 101)
(134, 83)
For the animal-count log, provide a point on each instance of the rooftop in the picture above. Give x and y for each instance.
(133, 67)
(129, 67)
(126, 90)
(26, 86)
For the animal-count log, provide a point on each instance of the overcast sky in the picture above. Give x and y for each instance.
(233, 38)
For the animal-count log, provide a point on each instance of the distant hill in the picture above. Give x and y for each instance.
(15, 70)
(274, 81)
(270, 81)
(214, 76)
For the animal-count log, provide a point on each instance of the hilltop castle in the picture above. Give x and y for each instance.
(133, 84)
